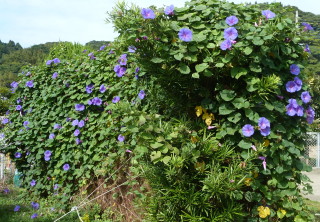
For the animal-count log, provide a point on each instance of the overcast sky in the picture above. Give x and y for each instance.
(31, 22)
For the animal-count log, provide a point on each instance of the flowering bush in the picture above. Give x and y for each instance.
(143, 96)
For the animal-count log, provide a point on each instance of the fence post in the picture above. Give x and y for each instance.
(318, 149)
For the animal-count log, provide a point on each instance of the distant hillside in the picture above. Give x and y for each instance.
(96, 44)
(6, 48)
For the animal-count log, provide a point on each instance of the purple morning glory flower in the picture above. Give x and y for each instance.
(97, 101)
(91, 55)
(5, 121)
(121, 138)
(16, 208)
(310, 115)
(247, 130)
(76, 132)
(29, 83)
(141, 94)
(116, 99)
(78, 141)
(310, 120)
(57, 126)
(47, 153)
(169, 10)
(33, 183)
(230, 33)
(117, 68)
(75, 122)
(293, 102)
(185, 34)
(291, 110)
(56, 186)
(35, 205)
(79, 107)
(17, 155)
(66, 167)
(18, 107)
(102, 88)
(2, 136)
(120, 71)
(147, 13)
(33, 216)
(14, 85)
(55, 75)
(291, 87)
(123, 60)
(49, 62)
(299, 111)
(305, 96)
(307, 48)
(89, 88)
(268, 14)
(56, 60)
(132, 49)
(102, 47)
(310, 112)
(298, 83)
(47, 158)
(226, 44)
(292, 107)
(81, 123)
(232, 20)
(294, 69)
(307, 26)
(25, 123)
(137, 70)
(265, 131)
(263, 123)
(18, 101)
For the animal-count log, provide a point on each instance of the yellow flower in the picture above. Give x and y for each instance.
(266, 143)
(281, 213)
(208, 118)
(199, 110)
(264, 211)
(194, 139)
(247, 181)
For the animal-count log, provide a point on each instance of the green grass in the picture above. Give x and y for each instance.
(316, 206)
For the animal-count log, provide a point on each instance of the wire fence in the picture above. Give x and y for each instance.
(311, 154)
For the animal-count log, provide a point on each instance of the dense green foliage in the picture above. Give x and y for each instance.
(177, 113)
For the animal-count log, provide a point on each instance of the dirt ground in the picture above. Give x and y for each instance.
(314, 176)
